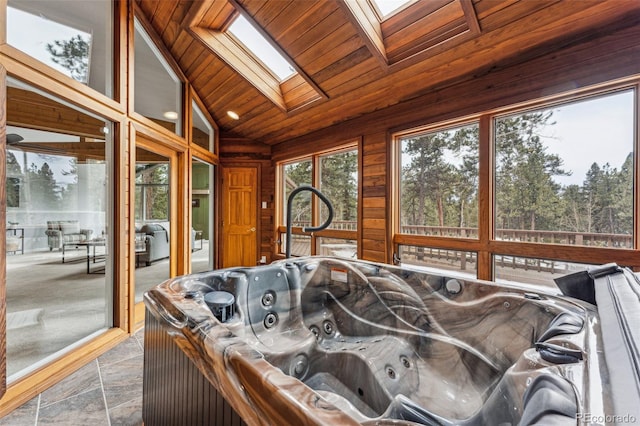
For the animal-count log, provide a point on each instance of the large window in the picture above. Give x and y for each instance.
(76, 39)
(335, 174)
(202, 132)
(58, 239)
(558, 182)
(564, 174)
(158, 90)
(439, 182)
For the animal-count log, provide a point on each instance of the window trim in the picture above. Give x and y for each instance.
(487, 246)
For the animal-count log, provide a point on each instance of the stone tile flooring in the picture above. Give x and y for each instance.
(106, 391)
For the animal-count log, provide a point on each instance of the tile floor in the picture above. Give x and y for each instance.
(106, 391)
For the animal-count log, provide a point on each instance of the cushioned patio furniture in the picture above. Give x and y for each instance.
(61, 232)
(157, 241)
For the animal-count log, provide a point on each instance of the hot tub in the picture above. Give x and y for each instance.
(327, 341)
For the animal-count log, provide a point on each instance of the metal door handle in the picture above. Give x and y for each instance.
(252, 229)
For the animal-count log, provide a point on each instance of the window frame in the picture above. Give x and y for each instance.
(487, 246)
(315, 158)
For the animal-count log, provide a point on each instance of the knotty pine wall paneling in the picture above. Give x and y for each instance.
(373, 243)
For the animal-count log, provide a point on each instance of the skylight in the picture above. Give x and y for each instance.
(388, 7)
(256, 44)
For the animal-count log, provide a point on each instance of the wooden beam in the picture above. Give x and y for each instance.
(366, 23)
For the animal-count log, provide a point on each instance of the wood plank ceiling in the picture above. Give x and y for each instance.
(359, 65)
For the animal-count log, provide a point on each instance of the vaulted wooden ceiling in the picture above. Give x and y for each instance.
(355, 65)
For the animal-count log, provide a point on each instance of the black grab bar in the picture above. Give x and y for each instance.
(324, 199)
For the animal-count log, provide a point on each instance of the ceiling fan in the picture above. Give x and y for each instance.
(14, 139)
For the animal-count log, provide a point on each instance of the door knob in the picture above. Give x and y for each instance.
(253, 229)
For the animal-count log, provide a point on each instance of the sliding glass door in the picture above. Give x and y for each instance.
(202, 217)
(152, 210)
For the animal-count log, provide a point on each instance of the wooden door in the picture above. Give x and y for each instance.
(239, 216)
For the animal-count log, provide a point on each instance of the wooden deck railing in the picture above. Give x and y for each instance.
(427, 254)
(434, 257)
(592, 239)
(549, 237)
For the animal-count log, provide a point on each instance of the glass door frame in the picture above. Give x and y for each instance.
(213, 210)
(179, 215)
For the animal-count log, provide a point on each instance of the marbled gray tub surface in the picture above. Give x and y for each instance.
(328, 341)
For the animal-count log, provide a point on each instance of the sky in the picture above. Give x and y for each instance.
(597, 130)
(260, 47)
(388, 6)
(21, 34)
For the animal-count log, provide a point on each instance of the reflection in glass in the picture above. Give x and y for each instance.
(77, 40)
(202, 133)
(339, 183)
(300, 245)
(202, 217)
(539, 272)
(337, 247)
(158, 91)
(564, 175)
(59, 271)
(439, 182)
(462, 261)
(153, 231)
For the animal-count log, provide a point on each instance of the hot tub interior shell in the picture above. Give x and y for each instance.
(326, 341)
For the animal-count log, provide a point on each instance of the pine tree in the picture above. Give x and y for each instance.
(338, 182)
(72, 54)
(526, 195)
(295, 175)
(44, 189)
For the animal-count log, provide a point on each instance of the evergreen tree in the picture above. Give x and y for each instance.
(13, 167)
(440, 178)
(72, 54)
(298, 174)
(44, 188)
(154, 178)
(624, 199)
(526, 195)
(14, 175)
(69, 194)
(338, 181)
(610, 198)
(429, 178)
(465, 143)
(575, 209)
